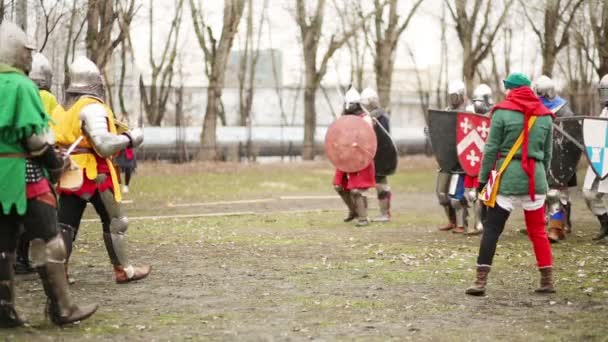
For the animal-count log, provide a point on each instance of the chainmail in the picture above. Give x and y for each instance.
(33, 172)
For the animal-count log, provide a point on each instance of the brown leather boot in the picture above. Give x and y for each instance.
(556, 231)
(546, 280)
(8, 315)
(139, 272)
(60, 308)
(479, 286)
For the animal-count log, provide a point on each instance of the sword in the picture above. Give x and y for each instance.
(73, 146)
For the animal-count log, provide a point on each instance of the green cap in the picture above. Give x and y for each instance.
(516, 80)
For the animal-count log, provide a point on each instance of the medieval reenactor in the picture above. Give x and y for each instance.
(559, 206)
(88, 116)
(385, 160)
(352, 186)
(27, 158)
(454, 201)
(42, 76)
(594, 188)
(519, 146)
(482, 103)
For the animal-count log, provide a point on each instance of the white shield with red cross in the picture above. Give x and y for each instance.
(472, 131)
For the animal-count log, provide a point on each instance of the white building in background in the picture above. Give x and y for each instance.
(279, 100)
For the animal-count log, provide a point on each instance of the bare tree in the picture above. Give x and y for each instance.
(598, 17)
(101, 17)
(21, 13)
(75, 27)
(349, 13)
(311, 26)
(558, 16)
(51, 17)
(388, 27)
(216, 57)
(155, 95)
(248, 63)
(476, 40)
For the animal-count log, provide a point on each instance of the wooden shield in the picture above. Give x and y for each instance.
(350, 143)
(472, 131)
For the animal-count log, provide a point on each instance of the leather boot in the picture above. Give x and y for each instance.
(60, 308)
(352, 211)
(360, 202)
(451, 214)
(556, 231)
(546, 281)
(603, 228)
(8, 315)
(128, 274)
(23, 265)
(479, 286)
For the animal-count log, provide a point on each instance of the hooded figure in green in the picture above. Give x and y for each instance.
(524, 181)
(28, 166)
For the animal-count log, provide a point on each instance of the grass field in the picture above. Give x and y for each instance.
(260, 252)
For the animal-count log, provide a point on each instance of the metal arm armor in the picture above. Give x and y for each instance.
(95, 125)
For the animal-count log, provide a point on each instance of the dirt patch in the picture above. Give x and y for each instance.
(305, 275)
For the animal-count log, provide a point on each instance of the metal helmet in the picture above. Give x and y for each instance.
(85, 78)
(603, 91)
(482, 99)
(41, 73)
(15, 49)
(544, 86)
(369, 98)
(352, 100)
(456, 92)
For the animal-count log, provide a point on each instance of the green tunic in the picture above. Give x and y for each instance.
(21, 115)
(505, 129)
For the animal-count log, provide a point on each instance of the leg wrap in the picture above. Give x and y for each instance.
(384, 202)
(493, 226)
(67, 233)
(360, 201)
(535, 224)
(8, 314)
(347, 199)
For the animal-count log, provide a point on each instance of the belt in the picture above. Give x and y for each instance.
(500, 156)
(15, 155)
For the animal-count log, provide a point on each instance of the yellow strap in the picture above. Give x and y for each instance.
(516, 146)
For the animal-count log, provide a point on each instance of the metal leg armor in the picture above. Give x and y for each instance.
(8, 314)
(442, 189)
(347, 198)
(564, 198)
(116, 243)
(556, 214)
(476, 226)
(49, 259)
(384, 202)
(360, 201)
(461, 215)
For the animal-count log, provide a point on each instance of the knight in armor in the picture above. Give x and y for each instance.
(558, 196)
(87, 115)
(42, 76)
(28, 166)
(371, 101)
(482, 103)
(595, 189)
(352, 186)
(450, 183)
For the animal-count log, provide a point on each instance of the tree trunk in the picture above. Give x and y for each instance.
(310, 122)
(384, 75)
(21, 14)
(208, 135)
(548, 62)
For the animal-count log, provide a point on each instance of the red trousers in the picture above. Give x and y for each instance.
(535, 225)
(363, 179)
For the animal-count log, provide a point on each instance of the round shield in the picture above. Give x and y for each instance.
(350, 143)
